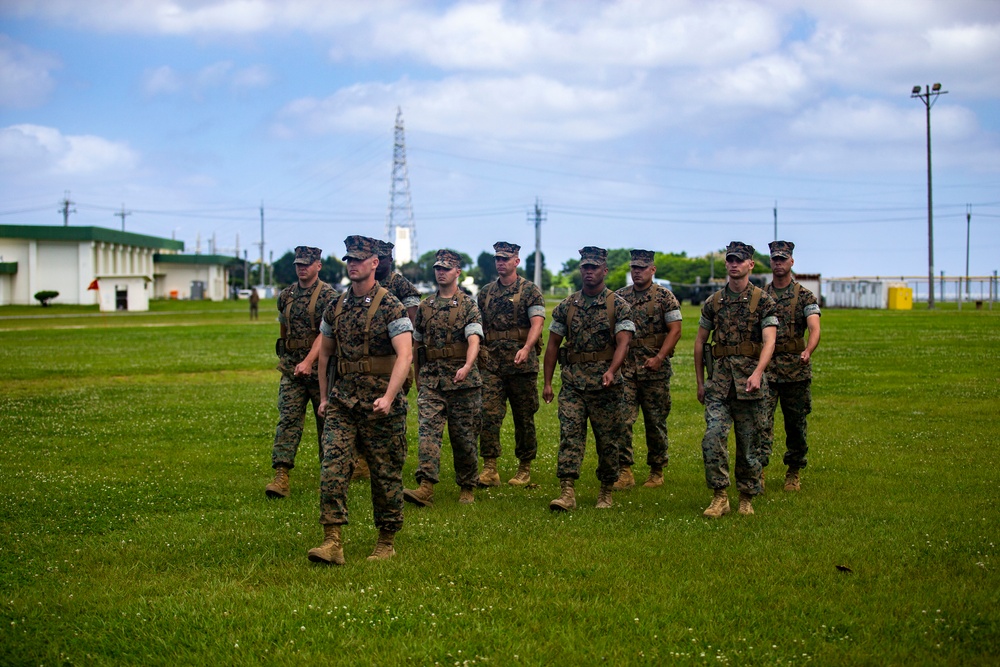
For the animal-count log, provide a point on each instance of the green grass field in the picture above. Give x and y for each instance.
(134, 527)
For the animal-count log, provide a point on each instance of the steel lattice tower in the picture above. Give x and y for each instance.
(399, 226)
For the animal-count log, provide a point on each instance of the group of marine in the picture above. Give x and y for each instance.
(354, 356)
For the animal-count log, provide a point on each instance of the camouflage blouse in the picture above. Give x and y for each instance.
(733, 323)
(402, 289)
(498, 315)
(298, 325)
(434, 317)
(652, 310)
(785, 366)
(590, 331)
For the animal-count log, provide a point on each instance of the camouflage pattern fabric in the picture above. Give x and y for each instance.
(785, 366)
(749, 418)
(351, 427)
(796, 404)
(603, 407)
(727, 402)
(431, 329)
(460, 410)
(499, 315)
(522, 391)
(590, 331)
(294, 395)
(297, 325)
(402, 289)
(644, 388)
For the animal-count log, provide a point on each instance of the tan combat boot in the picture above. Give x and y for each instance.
(278, 488)
(523, 475)
(331, 552)
(383, 548)
(746, 504)
(792, 480)
(719, 506)
(423, 495)
(567, 499)
(626, 480)
(465, 496)
(361, 470)
(489, 476)
(604, 497)
(655, 478)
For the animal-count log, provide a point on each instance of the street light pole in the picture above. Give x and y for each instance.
(928, 97)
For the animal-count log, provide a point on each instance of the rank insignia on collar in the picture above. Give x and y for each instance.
(455, 302)
(368, 299)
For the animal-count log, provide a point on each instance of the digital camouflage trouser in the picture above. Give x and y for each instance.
(461, 410)
(604, 408)
(294, 396)
(653, 396)
(796, 404)
(382, 443)
(749, 420)
(522, 392)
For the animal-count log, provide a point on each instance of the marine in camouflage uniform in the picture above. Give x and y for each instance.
(744, 320)
(597, 327)
(300, 310)
(789, 374)
(368, 337)
(647, 370)
(513, 312)
(448, 331)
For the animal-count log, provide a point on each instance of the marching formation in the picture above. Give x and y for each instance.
(355, 356)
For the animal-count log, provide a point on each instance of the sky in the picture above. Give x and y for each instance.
(671, 125)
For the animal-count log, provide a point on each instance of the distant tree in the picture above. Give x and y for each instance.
(333, 270)
(529, 265)
(283, 270)
(487, 267)
(45, 296)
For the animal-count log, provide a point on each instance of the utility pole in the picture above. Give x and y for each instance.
(66, 210)
(121, 214)
(262, 242)
(246, 271)
(539, 217)
(775, 221)
(968, 226)
(929, 97)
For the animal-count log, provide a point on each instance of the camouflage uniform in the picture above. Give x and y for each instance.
(295, 393)
(652, 310)
(442, 328)
(581, 395)
(788, 378)
(351, 425)
(402, 289)
(727, 402)
(506, 332)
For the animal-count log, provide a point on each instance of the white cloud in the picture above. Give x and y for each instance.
(25, 75)
(25, 148)
(162, 81)
(224, 74)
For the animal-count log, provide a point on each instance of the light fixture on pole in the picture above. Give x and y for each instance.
(928, 97)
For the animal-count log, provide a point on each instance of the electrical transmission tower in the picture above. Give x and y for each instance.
(399, 226)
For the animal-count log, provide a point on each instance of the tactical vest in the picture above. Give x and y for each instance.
(516, 333)
(567, 357)
(450, 350)
(746, 348)
(652, 340)
(305, 343)
(368, 364)
(798, 342)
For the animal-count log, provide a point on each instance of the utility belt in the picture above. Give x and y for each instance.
(653, 340)
(745, 349)
(368, 365)
(509, 334)
(795, 345)
(567, 358)
(299, 343)
(450, 351)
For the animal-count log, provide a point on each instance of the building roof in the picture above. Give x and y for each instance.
(55, 233)
(195, 259)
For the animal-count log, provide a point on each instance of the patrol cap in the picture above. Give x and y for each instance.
(643, 258)
(506, 250)
(307, 255)
(740, 250)
(360, 247)
(448, 259)
(384, 249)
(593, 256)
(782, 249)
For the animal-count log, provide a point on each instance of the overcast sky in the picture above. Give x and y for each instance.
(672, 125)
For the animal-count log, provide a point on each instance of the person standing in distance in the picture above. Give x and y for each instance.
(300, 310)
(744, 321)
(789, 374)
(647, 370)
(597, 327)
(367, 334)
(448, 331)
(513, 312)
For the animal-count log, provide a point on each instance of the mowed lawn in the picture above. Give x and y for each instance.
(134, 528)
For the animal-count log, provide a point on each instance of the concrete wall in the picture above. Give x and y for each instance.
(171, 277)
